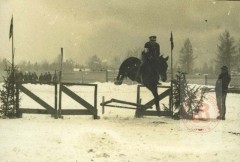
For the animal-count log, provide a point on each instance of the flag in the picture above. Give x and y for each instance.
(11, 29)
(171, 40)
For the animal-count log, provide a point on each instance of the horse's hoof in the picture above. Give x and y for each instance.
(159, 83)
(117, 83)
(159, 114)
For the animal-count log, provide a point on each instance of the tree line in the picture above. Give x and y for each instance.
(227, 53)
(94, 63)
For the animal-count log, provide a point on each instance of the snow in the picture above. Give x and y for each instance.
(117, 136)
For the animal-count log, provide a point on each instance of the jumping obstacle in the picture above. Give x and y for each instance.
(89, 109)
(48, 108)
(141, 109)
(57, 111)
(167, 93)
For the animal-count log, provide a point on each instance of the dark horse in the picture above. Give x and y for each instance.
(147, 74)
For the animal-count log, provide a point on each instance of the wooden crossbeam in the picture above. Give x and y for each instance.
(49, 108)
(108, 104)
(75, 112)
(80, 84)
(130, 103)
(117, 106)
(34, 111)
(160, 97)
(78, 99)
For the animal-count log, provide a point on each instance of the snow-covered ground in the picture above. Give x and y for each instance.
(117, 136)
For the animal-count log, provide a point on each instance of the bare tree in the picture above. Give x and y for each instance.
(95, 63)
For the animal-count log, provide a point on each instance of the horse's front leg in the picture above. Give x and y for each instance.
(156, 100)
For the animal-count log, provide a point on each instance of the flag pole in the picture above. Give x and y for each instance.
(171, 66)
(172, 46)
(12, 51)
(13, 66)
(171, 98)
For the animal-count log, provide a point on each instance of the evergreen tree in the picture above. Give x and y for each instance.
(237, 59)
(8, 93)
(186, 58)
(225, 51)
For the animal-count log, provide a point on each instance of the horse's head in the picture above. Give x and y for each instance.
(162, 66)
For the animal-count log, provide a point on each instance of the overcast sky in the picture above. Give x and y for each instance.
(109, 28)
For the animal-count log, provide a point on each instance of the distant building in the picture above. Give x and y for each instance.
(76, 69)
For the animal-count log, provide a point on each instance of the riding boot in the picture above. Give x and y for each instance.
(157, 74)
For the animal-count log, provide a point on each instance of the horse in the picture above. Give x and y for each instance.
(146, 74)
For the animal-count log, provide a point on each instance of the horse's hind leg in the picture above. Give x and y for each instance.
(156, 100)
(119, 79)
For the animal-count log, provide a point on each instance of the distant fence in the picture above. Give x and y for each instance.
(109, 76)
(211, 80)
(92, 76)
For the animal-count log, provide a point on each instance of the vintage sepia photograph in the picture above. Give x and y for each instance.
(119, 80)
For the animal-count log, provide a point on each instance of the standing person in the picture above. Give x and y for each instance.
(55, 78)
(45, 77)
(19, 76)
(221, 89)
(25, 77)
(49, 77)
(41, 78)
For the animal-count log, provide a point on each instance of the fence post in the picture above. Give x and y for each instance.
(106, 75)
(56, 111)
(60, 86)
(95, 102)
(103, 108)
(171, 97)
(138, 109)
(18, 113)
(206, 78)
(60, 101)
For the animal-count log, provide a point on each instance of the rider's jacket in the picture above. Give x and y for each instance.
(153, 49)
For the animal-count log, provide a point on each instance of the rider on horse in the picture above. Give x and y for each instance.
(150, 54)
(152, 48)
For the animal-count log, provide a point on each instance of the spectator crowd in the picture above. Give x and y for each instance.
(33, 77)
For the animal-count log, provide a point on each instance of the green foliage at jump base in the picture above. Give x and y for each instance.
(8, 93)
(187, 100)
